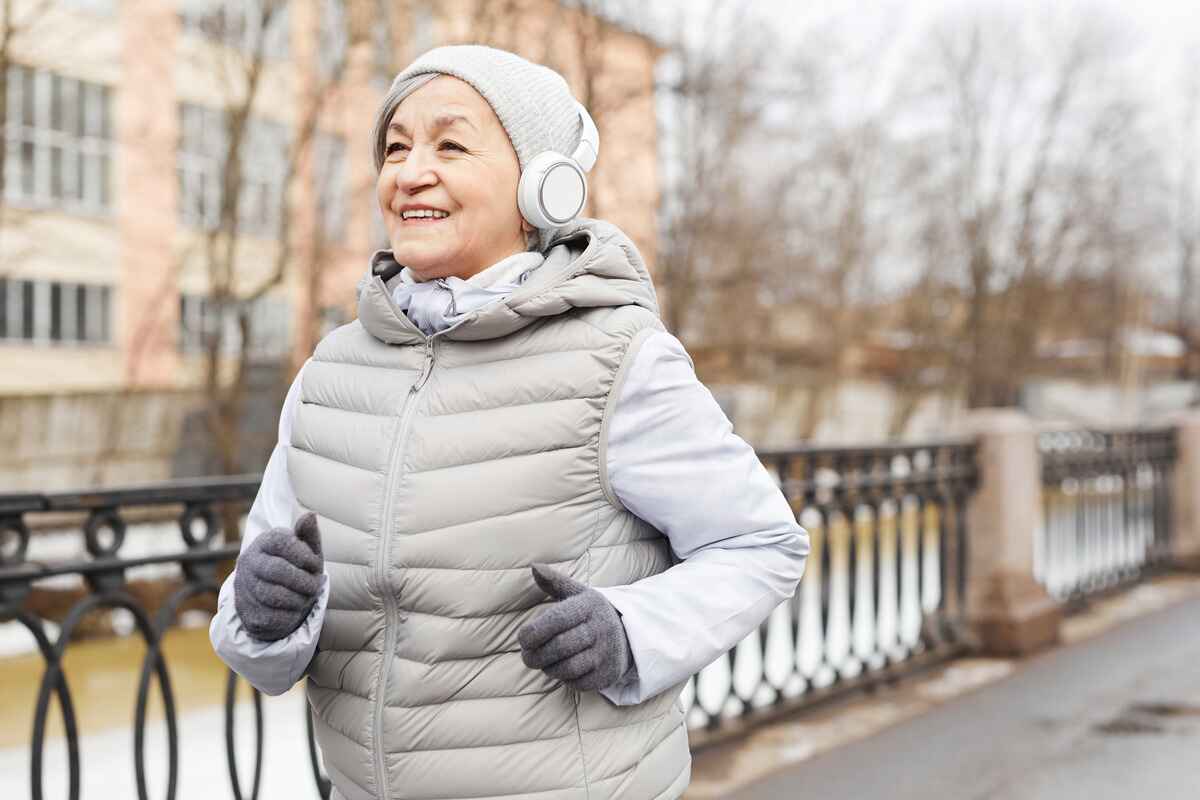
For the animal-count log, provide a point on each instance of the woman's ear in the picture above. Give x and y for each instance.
(531, 236)
(529, 233)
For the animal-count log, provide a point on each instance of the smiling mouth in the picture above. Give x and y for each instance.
(423, 217)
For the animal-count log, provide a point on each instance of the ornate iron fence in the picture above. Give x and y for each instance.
(201, 506)
(1107, 497)
(883, 593)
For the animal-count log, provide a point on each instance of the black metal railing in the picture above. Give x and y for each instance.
(883, 592)
(1107, 498)
(204, 508)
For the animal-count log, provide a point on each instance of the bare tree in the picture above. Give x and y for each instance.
(233, 288)
(716, 218)
(1038, 142)
(1187, 222)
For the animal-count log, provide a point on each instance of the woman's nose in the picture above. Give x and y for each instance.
(415, 172)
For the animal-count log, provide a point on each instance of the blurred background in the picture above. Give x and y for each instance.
(865, 220)
(862, 219)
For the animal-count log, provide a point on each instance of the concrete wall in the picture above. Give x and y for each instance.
(60, 441)
(51, 442)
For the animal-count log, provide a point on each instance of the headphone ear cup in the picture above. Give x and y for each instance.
(552, 190)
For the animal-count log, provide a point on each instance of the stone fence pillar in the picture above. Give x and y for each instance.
(1008, 610)
(1185, 542)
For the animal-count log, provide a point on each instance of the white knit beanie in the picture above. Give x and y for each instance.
(532, 102)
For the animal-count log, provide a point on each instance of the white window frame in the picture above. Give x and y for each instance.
(235, 24)
(98, 311)
(86, 141)
(271, 326)
(202, 149)
(264, 158)
(201, 128)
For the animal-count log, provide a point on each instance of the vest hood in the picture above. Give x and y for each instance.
(588, 265)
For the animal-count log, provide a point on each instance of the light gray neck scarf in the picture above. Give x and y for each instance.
(437, 304)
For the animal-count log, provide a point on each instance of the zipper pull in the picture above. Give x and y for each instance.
(426, 369)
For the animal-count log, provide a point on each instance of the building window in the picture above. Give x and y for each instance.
(329, 172)
(44, 312)
(251, 26)
(264, 173)
(270, 326)
(58, 142)
(204, 137)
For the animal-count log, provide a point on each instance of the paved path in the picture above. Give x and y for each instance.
(1116, 717)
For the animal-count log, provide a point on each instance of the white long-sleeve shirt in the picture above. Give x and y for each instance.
(673, 460)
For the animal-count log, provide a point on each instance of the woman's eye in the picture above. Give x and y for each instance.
(395, 147)
(448, 145)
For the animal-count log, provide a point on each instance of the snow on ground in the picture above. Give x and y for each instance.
(107, 767)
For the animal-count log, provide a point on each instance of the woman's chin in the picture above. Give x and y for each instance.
(424, 261)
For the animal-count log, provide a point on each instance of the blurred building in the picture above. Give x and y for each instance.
(118, 118)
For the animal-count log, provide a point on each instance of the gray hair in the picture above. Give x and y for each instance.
(400, 90)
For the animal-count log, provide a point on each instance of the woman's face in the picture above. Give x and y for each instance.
(447, 157)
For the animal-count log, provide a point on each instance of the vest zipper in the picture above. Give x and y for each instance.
(385, 536)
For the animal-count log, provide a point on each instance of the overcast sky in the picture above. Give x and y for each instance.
(1160, 37)
(1154, 40)
(1160, 30)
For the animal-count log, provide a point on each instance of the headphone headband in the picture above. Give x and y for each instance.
(589, 140)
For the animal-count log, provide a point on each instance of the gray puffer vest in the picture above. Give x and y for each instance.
(441, 467)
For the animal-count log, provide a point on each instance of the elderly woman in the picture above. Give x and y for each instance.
(504, 521)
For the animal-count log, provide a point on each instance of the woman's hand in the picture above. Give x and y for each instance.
(278, 579)
(580, 639)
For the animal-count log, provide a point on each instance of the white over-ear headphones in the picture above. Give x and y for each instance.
(553, 187)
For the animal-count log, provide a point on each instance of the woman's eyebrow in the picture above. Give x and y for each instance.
(445, 120)
(440, 122)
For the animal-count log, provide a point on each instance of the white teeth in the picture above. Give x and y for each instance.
(424, 212)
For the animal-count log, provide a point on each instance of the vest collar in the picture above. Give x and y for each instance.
(592, 264)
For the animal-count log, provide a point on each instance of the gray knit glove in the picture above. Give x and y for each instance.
(278, 579)
(580, 639)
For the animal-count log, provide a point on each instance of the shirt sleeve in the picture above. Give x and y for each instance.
(270, 667)
(674, 461)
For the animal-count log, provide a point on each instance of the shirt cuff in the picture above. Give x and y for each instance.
(270, 667)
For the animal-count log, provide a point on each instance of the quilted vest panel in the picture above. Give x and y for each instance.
(440, 470)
